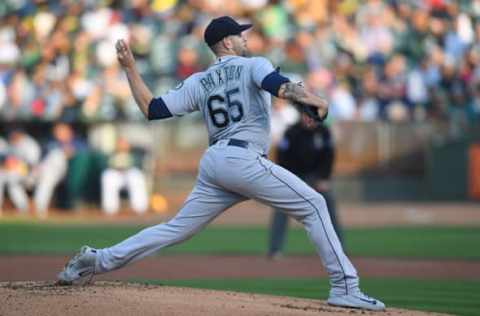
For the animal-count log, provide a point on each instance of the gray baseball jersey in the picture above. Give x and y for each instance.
(233, 169)
(230, 97)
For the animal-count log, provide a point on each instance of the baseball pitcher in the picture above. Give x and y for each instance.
(234, 97)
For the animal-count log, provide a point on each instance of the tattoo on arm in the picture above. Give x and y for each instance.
(297, 94)
(293, 92)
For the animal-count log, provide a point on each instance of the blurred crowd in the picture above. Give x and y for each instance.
(36, 177)
(410, 60)
(25, 167)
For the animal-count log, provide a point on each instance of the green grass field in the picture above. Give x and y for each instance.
(459, 297)
(398, 242)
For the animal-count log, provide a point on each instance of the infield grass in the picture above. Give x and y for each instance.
(452, 297)
(397, 242)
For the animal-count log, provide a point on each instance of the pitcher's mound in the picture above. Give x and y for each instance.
(117, 298)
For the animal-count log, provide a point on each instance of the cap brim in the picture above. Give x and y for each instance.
(244, 27)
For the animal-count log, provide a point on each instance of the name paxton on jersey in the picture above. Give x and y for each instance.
(221, 76)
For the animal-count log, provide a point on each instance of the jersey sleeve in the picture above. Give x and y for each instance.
(266, 77)
(261, 68)
(183, 98)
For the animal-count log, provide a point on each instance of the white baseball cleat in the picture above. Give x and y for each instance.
(80, 266)
(356, 300)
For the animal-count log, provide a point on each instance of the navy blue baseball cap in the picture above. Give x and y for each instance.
(222, 27)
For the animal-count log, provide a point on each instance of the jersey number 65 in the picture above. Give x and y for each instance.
(220, 115)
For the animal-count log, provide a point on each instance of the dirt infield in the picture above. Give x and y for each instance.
(38, 268)
(114, 298)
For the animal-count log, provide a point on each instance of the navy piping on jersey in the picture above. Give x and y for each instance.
(273, 81)
(157, 110)
(319, 217)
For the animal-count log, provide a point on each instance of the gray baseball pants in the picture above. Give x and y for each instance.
(228, 175)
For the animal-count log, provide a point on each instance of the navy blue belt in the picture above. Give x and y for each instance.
(237, 143)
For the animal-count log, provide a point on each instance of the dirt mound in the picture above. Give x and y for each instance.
(116, 298)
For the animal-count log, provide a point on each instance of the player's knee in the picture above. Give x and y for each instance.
(315, 210)
(312, 207)
(320, 201)
(318, 204)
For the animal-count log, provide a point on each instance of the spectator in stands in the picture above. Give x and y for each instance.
(20, 158)
(53, 168)
(404, 43)
(122, 173)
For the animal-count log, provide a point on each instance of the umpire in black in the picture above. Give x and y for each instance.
(307, 150)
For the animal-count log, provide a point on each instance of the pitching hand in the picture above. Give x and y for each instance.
(124, 54)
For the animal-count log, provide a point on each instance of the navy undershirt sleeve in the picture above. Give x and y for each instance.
(273, 81)
(157, 110)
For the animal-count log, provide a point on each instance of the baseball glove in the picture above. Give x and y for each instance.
(310, 110)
